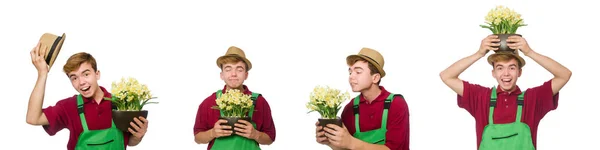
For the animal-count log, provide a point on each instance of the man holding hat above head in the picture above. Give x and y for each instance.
(376, 119)
(248, 135)
(505, 116)
(87, 115)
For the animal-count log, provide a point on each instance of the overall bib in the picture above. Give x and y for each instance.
(509, 136)
(376, 136)
(236, 142)
(105, 139)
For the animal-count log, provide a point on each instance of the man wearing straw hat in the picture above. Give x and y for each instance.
(248, 135)
(87, 115)
(376, 119)
(505, 112)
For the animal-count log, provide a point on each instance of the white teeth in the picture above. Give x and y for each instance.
(84, 89)
(506, 80)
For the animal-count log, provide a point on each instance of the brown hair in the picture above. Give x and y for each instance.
(371, 66)
(232, 59)
(76, 60)
(505, 58)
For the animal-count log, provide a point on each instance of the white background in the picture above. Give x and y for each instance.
(172, 46)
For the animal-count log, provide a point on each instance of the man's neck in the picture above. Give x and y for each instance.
(99, 95)
(371, 93)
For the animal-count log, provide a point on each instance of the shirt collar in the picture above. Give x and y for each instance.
(104, 91)
(517, 91)
(381, 97)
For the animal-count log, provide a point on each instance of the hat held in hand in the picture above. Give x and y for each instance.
(372, 56)
(52, 43)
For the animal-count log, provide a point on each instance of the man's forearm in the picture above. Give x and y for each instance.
(36, 99)
(263, 138)
(204, 137)
(133, 141)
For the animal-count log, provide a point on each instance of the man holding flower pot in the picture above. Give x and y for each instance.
(376, 119)
(87, 115)
(246, 135)
(505, 112)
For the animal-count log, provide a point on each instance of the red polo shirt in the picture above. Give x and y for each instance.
(537, 102)
(397, 135)
(64, 115)
(206, 116)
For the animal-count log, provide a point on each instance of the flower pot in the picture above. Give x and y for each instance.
(325, 122)
(503, 44)
(123, 118)
(232, 120)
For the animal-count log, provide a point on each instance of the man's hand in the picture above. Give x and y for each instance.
(245, 129)
(339, 136)
(488, 44)
(220, 130)
(38, 58)
(518, 42)
(320, 135)
(140, 126)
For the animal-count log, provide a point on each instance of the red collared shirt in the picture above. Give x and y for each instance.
(397, 135)
(207, 116)
(537, 102)
(65, 115)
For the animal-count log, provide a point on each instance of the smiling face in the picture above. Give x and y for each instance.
(83, 74)
(233, 72)
(85, 80)
(506, 74)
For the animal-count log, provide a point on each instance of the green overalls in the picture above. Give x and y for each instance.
(509, 136)
(105, 139)
(236, 142)
(376, 136)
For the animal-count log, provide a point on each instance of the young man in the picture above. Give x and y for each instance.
(249, 135)
(374, 120)
(505, 113)
(90, 127)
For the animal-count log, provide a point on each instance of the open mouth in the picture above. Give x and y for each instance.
(85, 89)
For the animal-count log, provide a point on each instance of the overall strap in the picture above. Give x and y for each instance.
(492, 105)
(355, 107)
(81, 114)
(520, 102)
(386, 105)
(254, 98)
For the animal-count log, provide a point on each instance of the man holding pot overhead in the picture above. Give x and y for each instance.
(506, 117)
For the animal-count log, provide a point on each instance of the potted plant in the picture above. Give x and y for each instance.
(503, 22)
(128, 99)
(234, 105)
(327, 102)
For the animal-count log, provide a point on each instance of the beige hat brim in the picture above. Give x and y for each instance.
(53, 46)
(350, 59)
(236, 56)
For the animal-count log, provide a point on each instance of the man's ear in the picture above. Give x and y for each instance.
(97, 74)
(376, 78)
